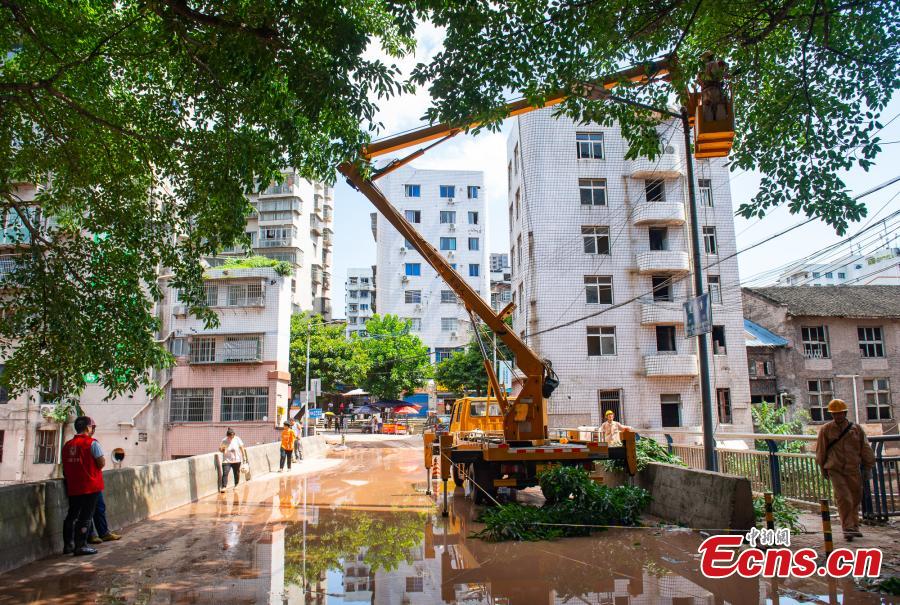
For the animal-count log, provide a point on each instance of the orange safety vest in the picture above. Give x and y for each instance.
(287, 439)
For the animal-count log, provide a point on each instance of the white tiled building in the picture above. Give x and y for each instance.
(880, 267)
(359, 300)
(590, 230)
(294, 222)
(448, 208)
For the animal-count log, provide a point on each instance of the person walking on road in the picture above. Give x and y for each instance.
(298, 433)
(287, 446)
(610, 430)
(233, 455)
(83, 462)
(841, 448)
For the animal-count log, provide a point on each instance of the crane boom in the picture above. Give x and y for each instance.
(525, 419)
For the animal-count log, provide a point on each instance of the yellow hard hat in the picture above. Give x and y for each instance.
(837, 405)
(609, 413)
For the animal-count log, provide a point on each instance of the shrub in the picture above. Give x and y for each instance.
(785, 514)
(646, 451)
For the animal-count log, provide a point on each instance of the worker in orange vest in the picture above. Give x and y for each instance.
(287, 445)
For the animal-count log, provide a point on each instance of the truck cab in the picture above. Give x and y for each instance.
(476, 414)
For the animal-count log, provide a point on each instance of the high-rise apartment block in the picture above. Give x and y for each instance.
(359, 303)
(601, 264)
(293, 222)
(501, 290)
(881, 267)
(448, 208)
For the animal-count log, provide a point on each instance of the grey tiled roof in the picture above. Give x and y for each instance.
(835, 301)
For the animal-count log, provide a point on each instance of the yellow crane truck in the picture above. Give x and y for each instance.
(510, 447)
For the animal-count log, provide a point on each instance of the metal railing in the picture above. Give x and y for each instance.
(881, 495)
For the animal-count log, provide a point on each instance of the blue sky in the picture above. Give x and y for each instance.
(354, 246)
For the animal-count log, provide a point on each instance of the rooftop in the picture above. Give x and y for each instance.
(834, 301)
(757, 336)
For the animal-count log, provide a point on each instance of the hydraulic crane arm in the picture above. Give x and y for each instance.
(527, 418)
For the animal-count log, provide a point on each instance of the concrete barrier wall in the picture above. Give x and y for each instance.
(698, 499)
(31, 514)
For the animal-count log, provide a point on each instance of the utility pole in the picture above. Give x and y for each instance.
(855, 397)
(709, 440)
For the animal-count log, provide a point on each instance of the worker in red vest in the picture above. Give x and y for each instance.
(83, 461)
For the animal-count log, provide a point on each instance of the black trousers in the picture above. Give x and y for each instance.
(78, 519)
(234, 467)
(285, 455)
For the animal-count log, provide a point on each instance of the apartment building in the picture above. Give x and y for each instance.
(840, 341)
(501, 289)
(601, 264)
(880, 267)
(359, 299)
(293, 221)
(448, 208)
(234, 375)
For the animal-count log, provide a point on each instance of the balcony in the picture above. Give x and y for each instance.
(659, 365)
(661, 313)
(658, 213)
(665, 166)
(279, 242)
(316, 274)
(228, 349)
(315, 224)
(662, 261)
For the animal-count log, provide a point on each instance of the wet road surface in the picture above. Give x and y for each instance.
(358, 528)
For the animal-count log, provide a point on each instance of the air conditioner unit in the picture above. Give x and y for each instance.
(451, 254)
(179, 310)
(47, 410)
(418, 307)
(452, 227)
(404, 279)
(402, 249)
(453, 334)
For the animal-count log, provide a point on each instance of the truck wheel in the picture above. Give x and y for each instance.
(483, 492)
(457, 476)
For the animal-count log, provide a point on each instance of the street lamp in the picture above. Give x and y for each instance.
(855, 401)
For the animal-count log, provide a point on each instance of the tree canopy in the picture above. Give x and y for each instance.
(397, 361)
(463, 372)
(333, 358)
(147, 124)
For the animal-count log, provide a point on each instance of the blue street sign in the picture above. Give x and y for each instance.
(697, 316)
(315, 412)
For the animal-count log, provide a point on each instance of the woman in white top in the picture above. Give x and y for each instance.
(233, 454)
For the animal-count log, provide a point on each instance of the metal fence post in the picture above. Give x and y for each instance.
(774, 471)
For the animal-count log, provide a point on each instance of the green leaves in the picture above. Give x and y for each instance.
(397, 361)
(332, 357)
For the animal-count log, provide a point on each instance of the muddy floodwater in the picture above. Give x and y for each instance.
(357, 527)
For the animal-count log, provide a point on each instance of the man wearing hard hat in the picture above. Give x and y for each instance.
(841, 449)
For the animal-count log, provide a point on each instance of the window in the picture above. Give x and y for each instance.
(412, 296)
(510, 217)
(203, 349)
(709, 240)
(829, 275)
(521, 249)
(474, 269)
(45, 447)
(610, 400)
(415, 584)
(245, 295)
(662, 288)
(1, 446)
(723, 403)
(751, 368)
(415, 324)
(244, 404)
(447, 191)
(275, 237)
(448, 324)
(4, 394)
(596, 240)
(592, 192)
(601, 341)
(670, 409)
(531, 245)
(242, 348)
(659, 238)
(598, 289)
(413, 216)
(191, 405)
(473, 218)
(354, 308)
(871, 343)
(473, 243)
(820, 393)
(442, 353)
(413, 190)
(448, 296)
(665, 339)
(589, 145)
(516, 159)
(518, 200)
(878, 399)
(715, 289)
(655, 190)
(472, 192)
(448, 216)
(815, 342)
(351, 321)
(705, 189)
(353, 280)
(363, 307)
(413, 269)
(816, 275)
(448, 243)
(842, 275)
(211, 292)
(353, 293)
(407, 244)
(718, 340)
